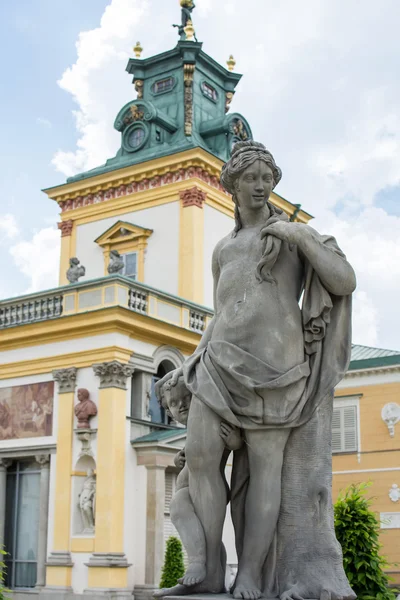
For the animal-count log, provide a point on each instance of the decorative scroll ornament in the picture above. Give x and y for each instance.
(139, 88)
(394, 493)
(391, 416)
(228, 100)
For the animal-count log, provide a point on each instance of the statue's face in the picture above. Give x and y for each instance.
(254, 185)
(178, 401)
(82, 395)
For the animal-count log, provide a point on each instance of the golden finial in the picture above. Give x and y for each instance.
(137, 49)
(231, 62)
(189, 31)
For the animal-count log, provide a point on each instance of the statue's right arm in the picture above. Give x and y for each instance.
(174, 375)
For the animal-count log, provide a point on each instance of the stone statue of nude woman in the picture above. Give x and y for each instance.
(268, 366)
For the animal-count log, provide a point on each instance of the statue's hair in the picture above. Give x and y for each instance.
(243, 155)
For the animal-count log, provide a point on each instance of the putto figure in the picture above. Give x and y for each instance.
(76, 270)
(85, 409)
(116, 264)
(175, 399)
(269, 367)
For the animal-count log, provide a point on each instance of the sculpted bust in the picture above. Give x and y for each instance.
(85, 409)
(116, 264)
(278, 344)
(75, 271)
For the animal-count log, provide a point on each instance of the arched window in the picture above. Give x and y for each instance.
(156, 412)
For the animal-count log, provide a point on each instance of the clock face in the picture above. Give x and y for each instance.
(136, 137)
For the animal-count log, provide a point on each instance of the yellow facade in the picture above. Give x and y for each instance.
(377, 462)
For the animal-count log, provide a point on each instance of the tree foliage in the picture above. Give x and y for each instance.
(174, 567)
(357, 529)
(3, 589)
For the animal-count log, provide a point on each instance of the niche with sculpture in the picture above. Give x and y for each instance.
(84, 497)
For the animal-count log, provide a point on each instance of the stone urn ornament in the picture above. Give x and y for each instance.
(85, 409)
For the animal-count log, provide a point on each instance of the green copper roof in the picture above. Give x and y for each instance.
(161, 435)
(367, 357)
(182, 103)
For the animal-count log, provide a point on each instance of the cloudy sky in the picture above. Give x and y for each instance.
(321, 89)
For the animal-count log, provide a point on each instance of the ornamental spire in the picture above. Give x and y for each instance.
(187, 7)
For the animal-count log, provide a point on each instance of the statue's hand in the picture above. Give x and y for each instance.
(173, 375)
(180, 459)
(292, 233)
(231, 436)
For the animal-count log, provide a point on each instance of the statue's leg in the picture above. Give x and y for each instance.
(265, 450)
(191, 533)
(204, 449)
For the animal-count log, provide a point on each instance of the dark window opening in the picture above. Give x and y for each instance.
(156, 412)
(22, 524)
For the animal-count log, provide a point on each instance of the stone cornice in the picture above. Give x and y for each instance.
(169, 167)
(371, 371)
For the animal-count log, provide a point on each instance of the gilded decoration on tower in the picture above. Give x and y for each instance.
(239, 130)
(231, 62)
(135, 114)
(138, 50)
(188, 74)
(228, 100)
(139, 88)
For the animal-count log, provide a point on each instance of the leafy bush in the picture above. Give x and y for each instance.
(173, 568)
(357, 529)
(3, 589)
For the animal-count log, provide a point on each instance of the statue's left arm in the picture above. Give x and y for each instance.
(336, 274)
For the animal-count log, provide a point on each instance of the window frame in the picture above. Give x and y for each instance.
(158, 93)
(342, 402)
(123, 256)
(204, 84)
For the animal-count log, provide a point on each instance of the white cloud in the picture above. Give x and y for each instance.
(8, 227)
(39, 259)
(100, 51)
(44, 122)
(315, 90)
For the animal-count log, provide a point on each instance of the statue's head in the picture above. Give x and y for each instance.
(83, 394)
(115, 253)
(90, 473)
(74, 261)
(175, 399)
(250, 175)
(186, 3)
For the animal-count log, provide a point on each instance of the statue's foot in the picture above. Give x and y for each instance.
(177, 590)
(245, 588)
(195, 574)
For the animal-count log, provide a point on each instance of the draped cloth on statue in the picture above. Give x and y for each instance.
(235, 385)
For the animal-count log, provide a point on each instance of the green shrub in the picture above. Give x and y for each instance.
(3, 589)
(173, 568)
(357, 529)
